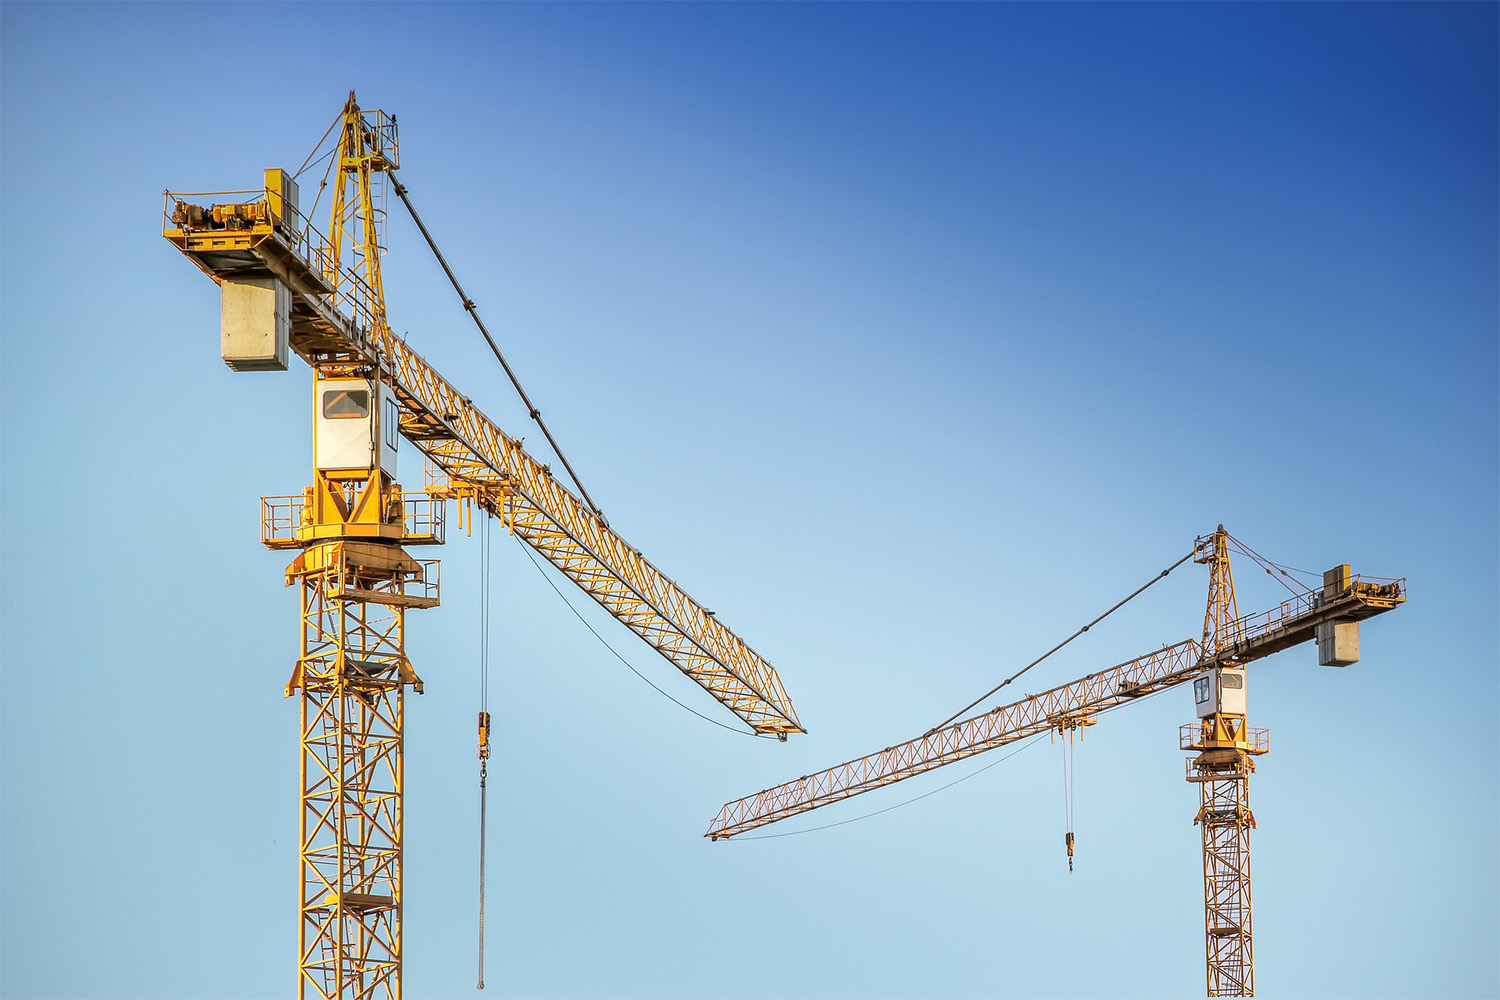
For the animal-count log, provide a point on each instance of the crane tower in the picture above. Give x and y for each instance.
(287, 288)
(1226, 745)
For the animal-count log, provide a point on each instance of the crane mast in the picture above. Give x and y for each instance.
(1227, 746)
(286, 288)
(1227, 749)
(357, 581)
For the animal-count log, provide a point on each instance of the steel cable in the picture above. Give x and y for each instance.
(469, 307)
(1267, 565)
(629, 666)
(1068, 793)
(484, 708)
(1029, 741)
(317, 199)
(482, 810)
(1136, 593)
(338, 118)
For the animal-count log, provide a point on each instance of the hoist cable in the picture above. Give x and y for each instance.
(484, 615)
(631, 667)
(482, 805)
(1134, 594)
(469, 307)
(484, 707)
(1068, 793)
(898, 805)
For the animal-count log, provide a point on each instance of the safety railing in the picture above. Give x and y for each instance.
(253, 209)
(1195, 734)
(380, 135)
(1289, 612)
(424, 520)
(279, 519)
(422, 586)
(346, 580)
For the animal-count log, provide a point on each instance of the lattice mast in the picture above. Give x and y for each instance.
(367, 153)
(357, 582)
(1222, 769)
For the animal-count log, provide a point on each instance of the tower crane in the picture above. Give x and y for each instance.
(287, 288)
(1226, 746)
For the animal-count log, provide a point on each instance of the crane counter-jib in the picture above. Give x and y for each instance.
(327, 323)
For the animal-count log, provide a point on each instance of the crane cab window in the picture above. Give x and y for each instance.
(1200, 689)
(392, 424)
(346, 404)
(1231, 680)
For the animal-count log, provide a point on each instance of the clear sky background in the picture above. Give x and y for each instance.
(907, 338)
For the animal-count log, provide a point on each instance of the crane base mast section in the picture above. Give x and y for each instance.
(1222, 773)
(1226, 821)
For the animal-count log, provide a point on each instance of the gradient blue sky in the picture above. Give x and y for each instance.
(907, 338)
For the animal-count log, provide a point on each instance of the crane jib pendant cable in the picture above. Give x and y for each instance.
(1136, 593)
(473, 312)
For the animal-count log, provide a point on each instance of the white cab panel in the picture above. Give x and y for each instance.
(355, 425)
(1222, 690)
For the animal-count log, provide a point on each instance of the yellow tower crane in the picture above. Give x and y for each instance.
(1226, 746)
(287, 288)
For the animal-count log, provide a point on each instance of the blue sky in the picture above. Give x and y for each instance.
(905, 337)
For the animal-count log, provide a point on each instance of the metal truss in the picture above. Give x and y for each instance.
(352, 676)
(512, 485)
(1226, 821)
(357, 583)
(1062, 705)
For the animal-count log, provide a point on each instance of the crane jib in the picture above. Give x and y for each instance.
(1252, 637)
(1095, 693)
